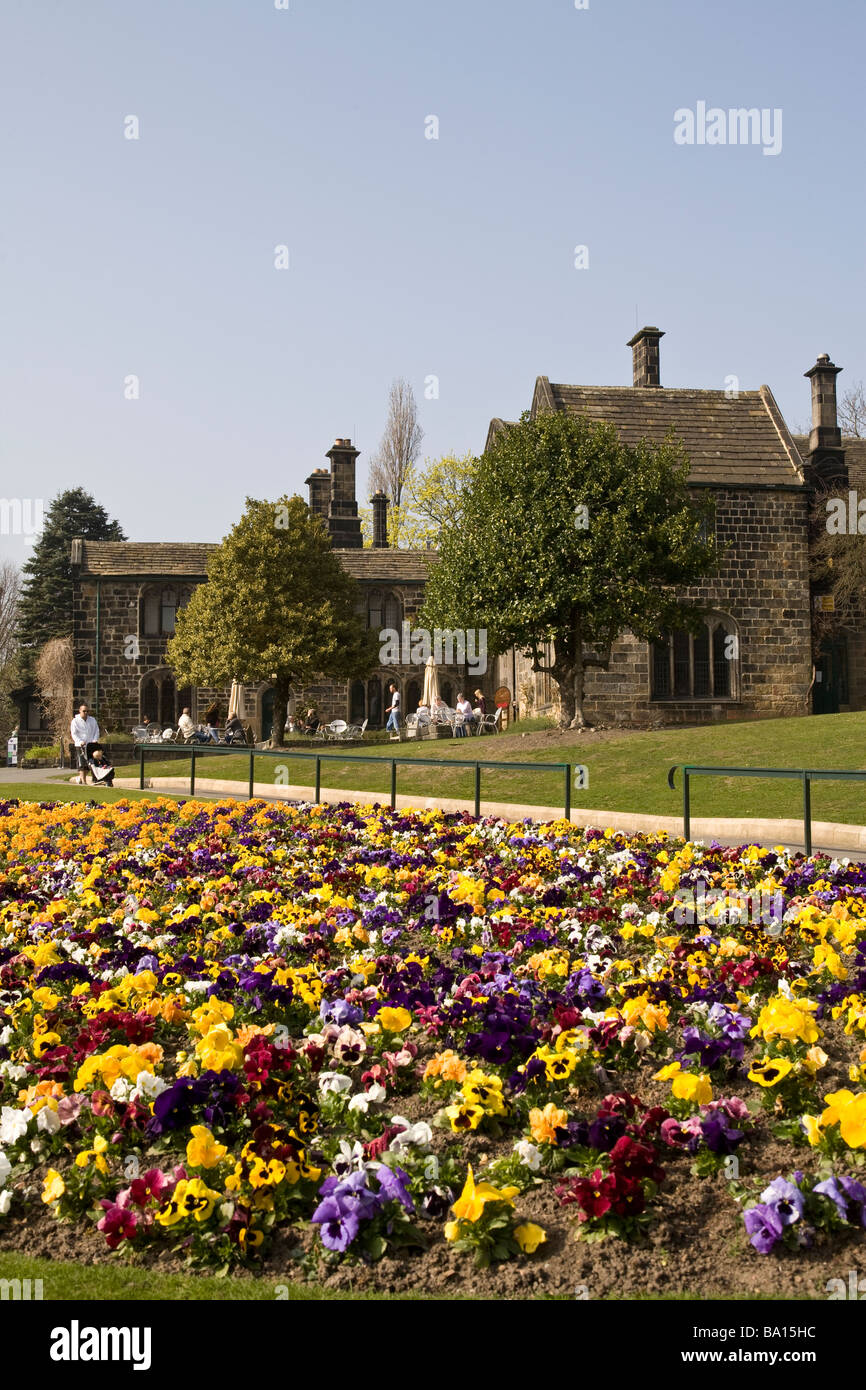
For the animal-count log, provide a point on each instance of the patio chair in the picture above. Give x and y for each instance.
(491, 722)
(140, 734)
(458, 725)
(334, 730)
(353, 731)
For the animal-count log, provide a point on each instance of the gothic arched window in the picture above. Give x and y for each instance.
(703, 666)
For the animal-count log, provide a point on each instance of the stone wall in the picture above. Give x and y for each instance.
(763, 585)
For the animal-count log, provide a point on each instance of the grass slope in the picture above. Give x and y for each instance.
(627, 772)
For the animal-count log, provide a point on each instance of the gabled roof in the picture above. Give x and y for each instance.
(730, 440)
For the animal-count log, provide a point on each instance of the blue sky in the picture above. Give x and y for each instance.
(408, 256)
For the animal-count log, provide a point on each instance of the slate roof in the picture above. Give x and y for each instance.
(189, 560)
(738, 440)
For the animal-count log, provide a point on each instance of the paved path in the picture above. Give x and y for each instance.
(835, 838)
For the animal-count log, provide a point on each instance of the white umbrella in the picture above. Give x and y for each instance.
(236, 701)
(431, 685)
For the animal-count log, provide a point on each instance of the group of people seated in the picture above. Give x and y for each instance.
(208, 732)
(472, 715)
(306, 723)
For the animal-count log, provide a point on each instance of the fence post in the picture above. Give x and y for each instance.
(141, 768)
(252, 770)
(687, 819)
(318, 779)
(477, 790)
(192, 771)
(568, 791)
(807, 813)
(393, 784)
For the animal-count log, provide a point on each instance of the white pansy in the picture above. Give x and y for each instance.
(13, 1124)
(419, 1134)
(121, 1089)
(48, 1120)
(196, 986)
(148, 1086)
(529, 1155)
(13, 1070)
(334, 1082)
(5, 1167)
(5, 1201)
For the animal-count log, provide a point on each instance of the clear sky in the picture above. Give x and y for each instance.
(408, 256)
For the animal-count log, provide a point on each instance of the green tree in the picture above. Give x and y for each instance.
(45, 603)
(431, 503)
(435, 497)
(277, 606)
(568, 536)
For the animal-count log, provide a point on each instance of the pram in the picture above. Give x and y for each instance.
(100, 767)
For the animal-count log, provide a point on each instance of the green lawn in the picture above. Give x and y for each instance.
(118, 1282)
(626, 773)
(94, 1283)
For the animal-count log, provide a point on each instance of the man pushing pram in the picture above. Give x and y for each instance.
(90, 753)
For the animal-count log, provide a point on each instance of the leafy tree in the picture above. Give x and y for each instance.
(568, 536)
(431, 503)
(45, 604)
(277, 605)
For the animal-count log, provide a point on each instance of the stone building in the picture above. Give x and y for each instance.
(127, 595)
(753, 658)
(754, 655)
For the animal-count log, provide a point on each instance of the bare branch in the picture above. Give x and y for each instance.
(392, 463)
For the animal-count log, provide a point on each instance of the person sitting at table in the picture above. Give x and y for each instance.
(311, 723)
(185, 724)
(234, 731)
(464, 708)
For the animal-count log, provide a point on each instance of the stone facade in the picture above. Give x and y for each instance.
(756, 658)
(127, 595)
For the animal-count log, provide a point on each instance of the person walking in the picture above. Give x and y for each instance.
(85, 734)
(393, 722)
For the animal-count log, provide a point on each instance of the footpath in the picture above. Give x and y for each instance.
(736, 830)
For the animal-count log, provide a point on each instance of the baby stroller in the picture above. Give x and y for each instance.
(100, 767)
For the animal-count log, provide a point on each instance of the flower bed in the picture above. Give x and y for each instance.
(402, 1047)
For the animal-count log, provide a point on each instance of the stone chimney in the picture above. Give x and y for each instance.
(319, 483)
(827, 462)
(825, 427)
(344, 523)
(380, 520)
(645, 357)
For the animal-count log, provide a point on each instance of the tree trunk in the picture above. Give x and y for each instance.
(282, 689)
(568, 672)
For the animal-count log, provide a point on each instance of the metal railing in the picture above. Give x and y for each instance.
(806, 776)
(197, 751)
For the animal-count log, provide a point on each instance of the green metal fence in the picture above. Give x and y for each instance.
(198, 751)
(806, 776)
